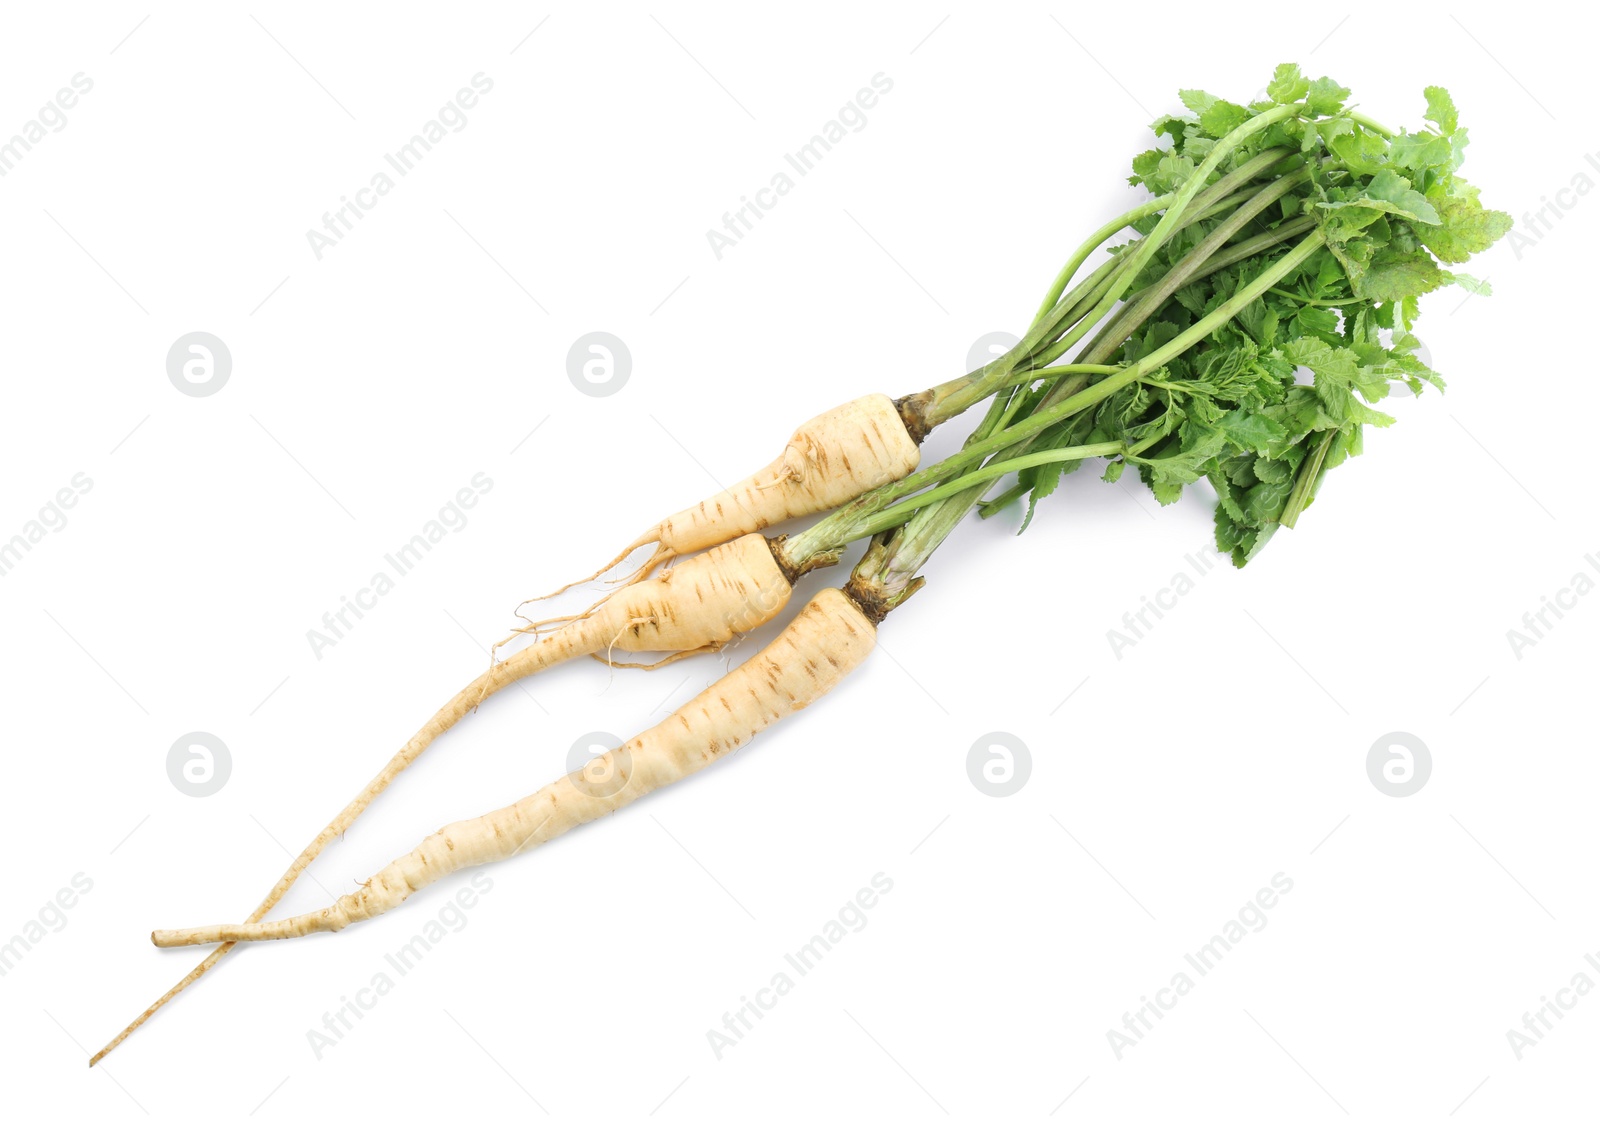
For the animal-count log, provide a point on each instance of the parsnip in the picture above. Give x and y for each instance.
(827, 640)
(829, 460)
(701, 603)
(1190, 373)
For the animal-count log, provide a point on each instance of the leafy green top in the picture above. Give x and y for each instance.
(1388, 210)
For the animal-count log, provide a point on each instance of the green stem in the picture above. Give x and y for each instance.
(1303, 301)
(1013, 368)
(1209, 203)
(1376, 127)
(1064, 370)
(886, 575)
(1244, 249)
(825, 536)
(1131, 260)
(1015, 362)
(1050, 374)
(953, 402)
(999, 502)
(1087, 248)
(1135, 314)
(988, 473)
(1306, 484)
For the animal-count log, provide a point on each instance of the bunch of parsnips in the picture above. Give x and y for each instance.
(1288, 236)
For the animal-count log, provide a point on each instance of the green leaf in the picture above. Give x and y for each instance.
(1334, 362)
(1343, 406)
(1232, 537)
(1393, 193)
(1326, 97)
(1287, 85)
(1421, 150)
(1265, 501)
(1372, 381)
(1045, 481)
(1252, 431)
(1272, 470)
(1155, 336)
(1329, 277)
(1343, 219)
(1231, 409)
(1144, 167)
(1192, 298)
(1222, 118)
(1327, 130)
(1166, 493)
(1471, 285)
(1316, 321)
(1361, 151)
(1441, 109)
(1196, 146)
(1402, 356)
(1400, 274)
(1172, 171)
(1465, 228)
(1170, 125)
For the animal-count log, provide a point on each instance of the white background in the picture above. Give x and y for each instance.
(368, 387)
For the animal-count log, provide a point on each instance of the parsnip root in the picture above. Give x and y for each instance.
(824, 643)
(829, 460)
(702, 602)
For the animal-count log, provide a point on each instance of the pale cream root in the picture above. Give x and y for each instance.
(700, 601)
(703, 602)
(828, 461)
(825, 642)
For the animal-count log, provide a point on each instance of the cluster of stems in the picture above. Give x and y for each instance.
(908, 519)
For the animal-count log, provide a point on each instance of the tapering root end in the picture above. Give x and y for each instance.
(297, 926)
(195, 936)
(193, 975)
